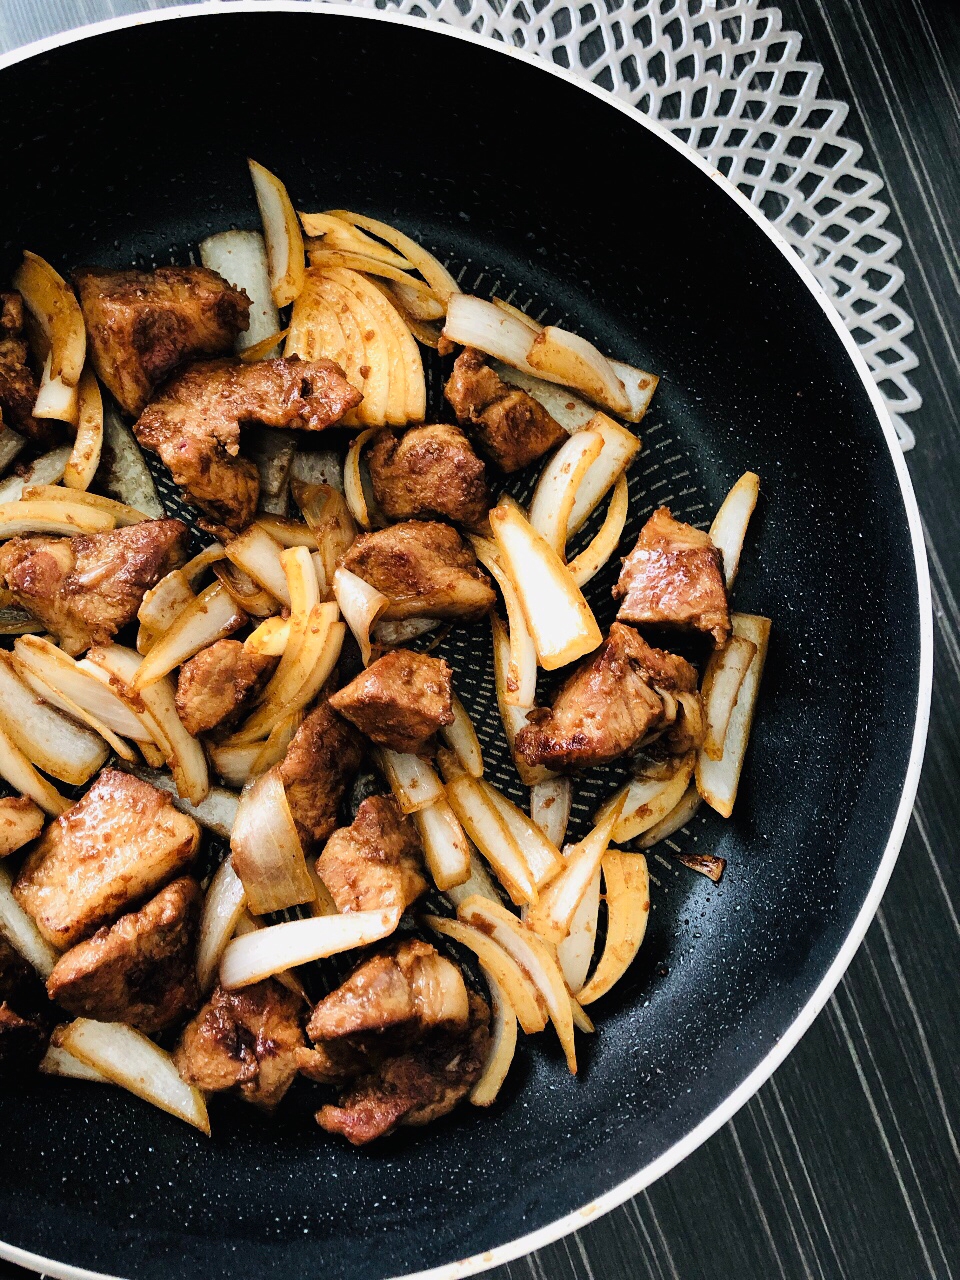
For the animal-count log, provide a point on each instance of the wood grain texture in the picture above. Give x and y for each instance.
(846, 1165)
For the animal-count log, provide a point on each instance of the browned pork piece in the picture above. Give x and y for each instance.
(428, 472)
(674, 578)
(375, 864)
(111, 850)
(25, 1019)
(608, 706)
(244, 1040)
(510, 426)
(18, 386)
(141, 325)
(399, 701)
(194, 424)
(214, 686)
(404, 1034)
(140, 970)
(86, 588)
(321, 760)
(425, 570)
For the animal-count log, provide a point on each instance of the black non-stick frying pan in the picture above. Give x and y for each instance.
(129, 145)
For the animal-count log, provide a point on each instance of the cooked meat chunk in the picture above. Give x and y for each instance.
(608, 706)
(112, 849)
(321, 759)
(18, 386)
(25, 1020)
(674, 578)
(376, 863)
(141, 325)
(140, 970)
(245, 1040)
(20, 822)
(214, 686)
(400, 701)
(86, 588)
(425, 569)
(429, 472)
(194, 424)
(510, 426)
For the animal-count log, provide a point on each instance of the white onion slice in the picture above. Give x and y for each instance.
(540, 854)
(270, 638)
(479, 883)
(64, 675)
(212, 615)
(235, 764)
(607, 538)
(163, 604)
(474, 322)
(561, 356)
(514, 717)
(553, 914)
(620, 447)
(127, 1058)
(575, 951)
(553, 500)
(279, 947)
(124, 472)
(85, 456)
(353, 481)
(122, 513)
(434, 272)
(258, 555)
(488, 830)
(266, 850)
(500, 966)
(520, 673)
(639, 387)
(503, 1045)
(361, 606)
(413, 783)
(241, 258)
(722, 681)
(11, 444)
(49, 740)
(729, 528)
(281, 231)
(461, 737)
(550, 802)
(445, 846)
(627, 893)
(65, 519)
(647, 800)
(562, 404)
(21, 932)
(48, 469)
(222, 908)
(23, 777)
(58, 1062)
(678, 817)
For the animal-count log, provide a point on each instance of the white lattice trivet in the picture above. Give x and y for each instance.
(724, 76)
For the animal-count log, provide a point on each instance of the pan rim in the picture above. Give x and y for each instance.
(729, 1106)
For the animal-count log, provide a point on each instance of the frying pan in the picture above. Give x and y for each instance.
(126, 143)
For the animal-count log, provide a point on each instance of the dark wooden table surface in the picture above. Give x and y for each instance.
(846, 1163)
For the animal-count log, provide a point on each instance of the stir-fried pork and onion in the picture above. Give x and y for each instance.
(272, 681)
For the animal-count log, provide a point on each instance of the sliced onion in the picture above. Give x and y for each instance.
(718, 780)
(270, 638)
(639, 387)
(729, 528)
(575, 951)
(55, 744)
(287, 532)
(280, 947)
(54, 307)
(550, 802)
(217, 811)
(474, 322)
(281, 231)
(64, 675)
(21, 931)
(361, 606)
(266, 850)
(520, 673)
(122, 514)
(323, 324)
(23, 777)
(241, 258)
(560, 620)
(127, 1058)
(627, 893)
(461, 737)
(620, 447)
(20, 822)
(533, 325)
(560, 356)
(124, 473)
(222, 908)
(514, 717)
(212, 615)
(58, 1062)
(445, 846)
(553, 914)
(436, 275)
(163, 604)
(234, 764)
(535, 958)
(479, 883)
(48, 469)
(561, 403)
(503, 1046)
(275, 747)
(540, 854)
(483, 823)
(499, 966)
(556, 491)
(335, 233)
(413, 783)
(417, 306)
(328, 517)
(367, 265)
(60, 700)
(607, 538)
(677, 818)
(257, 554)
(87, 446)
(722, 681)
(353, 482)
(246, 594)
(648, 799)
(60, 518)
(194, 569)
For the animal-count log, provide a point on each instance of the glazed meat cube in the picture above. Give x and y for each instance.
(425, 569)
(116, 846)
(674, 578)
(321, 760)
(608, 706)
(429, 472)
(20, 822)
(244, 1040)
(25, 1019)
(399, 701)
(18, 386)
(510, 426)
(141, 325)
(214, 686)
(194, 424)
(86, 588)
(376, 863)
(140, 970)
